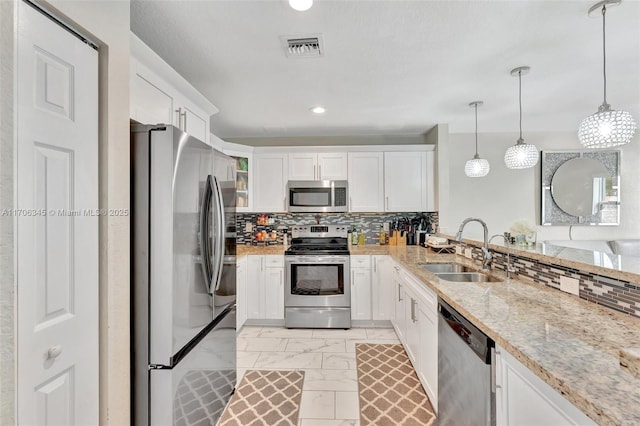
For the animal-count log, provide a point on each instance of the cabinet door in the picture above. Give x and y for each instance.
(241, 292)
(151, 101)
(398, 320)
(428, 352)
(303, 166)
(412, 336)
(522, 398)
(381, 288)
(195, 123)
(274, 293)
(332, 166)
(361, 293)
(405, 181)
(255, 287)
(366, 181)
(269, 182)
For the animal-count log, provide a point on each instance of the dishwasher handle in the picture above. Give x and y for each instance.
(477, 341)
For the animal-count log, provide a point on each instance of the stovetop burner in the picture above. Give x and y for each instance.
(320, 239)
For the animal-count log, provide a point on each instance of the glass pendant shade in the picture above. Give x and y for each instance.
(607, 128)
(521, 156)
(477, 167)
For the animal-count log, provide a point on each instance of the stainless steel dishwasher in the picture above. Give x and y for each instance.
(466, 377)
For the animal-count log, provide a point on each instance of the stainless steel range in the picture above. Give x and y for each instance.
(318, 290)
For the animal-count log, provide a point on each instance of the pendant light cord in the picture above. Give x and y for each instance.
(520, 101)
(604, 53)
(476, 108)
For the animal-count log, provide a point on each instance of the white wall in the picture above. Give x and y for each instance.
(505, 195)
(107, 21)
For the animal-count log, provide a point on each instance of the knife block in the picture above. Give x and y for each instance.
(393, 238)
(402, 240)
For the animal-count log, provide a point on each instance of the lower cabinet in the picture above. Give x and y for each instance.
(265, 287)
(381, 288)
(241, 292)
(360, 287)
(522, 398)
(415, 320)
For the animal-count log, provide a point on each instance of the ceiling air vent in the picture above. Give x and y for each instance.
(303, 46)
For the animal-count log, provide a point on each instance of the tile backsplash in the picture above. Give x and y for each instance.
(622, 296)
(367, 222)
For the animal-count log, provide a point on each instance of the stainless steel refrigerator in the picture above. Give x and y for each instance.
(182, 277)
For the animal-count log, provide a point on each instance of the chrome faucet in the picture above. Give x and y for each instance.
(486, 255)
(507, 241)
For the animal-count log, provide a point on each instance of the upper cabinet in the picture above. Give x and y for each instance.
(159, 95)
(269, 182)
(408, 181)
(366, 182)
(317, 166)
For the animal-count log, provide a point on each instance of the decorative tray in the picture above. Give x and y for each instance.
(441, 248)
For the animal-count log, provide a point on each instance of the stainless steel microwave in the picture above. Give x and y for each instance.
(318, 196)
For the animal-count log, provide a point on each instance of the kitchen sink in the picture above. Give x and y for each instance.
(467, 277)
(446, 267)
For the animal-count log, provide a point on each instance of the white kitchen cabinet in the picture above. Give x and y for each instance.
(366, 181)
(412, 335)
(405, 182)
(270, 173)
(317, 166)
(381, 288)
(399, 318)
(265, 287)
(522, 398)
(158, 94)
(360, 287)
(241, 292)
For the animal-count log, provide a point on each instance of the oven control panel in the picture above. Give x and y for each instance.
(319, 231)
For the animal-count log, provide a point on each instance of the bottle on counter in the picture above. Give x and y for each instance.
(361, 238)
(383, 236)
(354, 235)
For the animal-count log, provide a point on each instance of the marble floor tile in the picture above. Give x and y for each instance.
(339, 361)
(347, 406)
(261, 344)
(327, 422)
(316, 345)
(330, 380)
(249, 331)
(280, 360)
(286, 333)
(381, 333)
(351, 344)
(240, 374)
(352, 333)
(247, 359)
(317, 405)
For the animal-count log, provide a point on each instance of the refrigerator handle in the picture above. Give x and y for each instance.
(219, 232)
(205, 214)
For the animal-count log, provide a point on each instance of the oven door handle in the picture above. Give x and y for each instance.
(316, 259)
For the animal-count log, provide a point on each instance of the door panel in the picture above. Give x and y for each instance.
(57, 224)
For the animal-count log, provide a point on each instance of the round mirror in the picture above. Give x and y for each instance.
(579, 186)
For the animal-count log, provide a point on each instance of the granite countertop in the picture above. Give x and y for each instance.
(573, 345)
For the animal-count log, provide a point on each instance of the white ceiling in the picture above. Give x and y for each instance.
(397, 67)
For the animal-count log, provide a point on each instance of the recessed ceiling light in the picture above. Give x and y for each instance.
(318, 110)
(301, 5)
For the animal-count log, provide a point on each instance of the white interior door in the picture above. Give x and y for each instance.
(57, 225)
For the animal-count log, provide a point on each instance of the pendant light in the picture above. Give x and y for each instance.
(476, 167)
(607, 127)
(521, 155)
(301, 5)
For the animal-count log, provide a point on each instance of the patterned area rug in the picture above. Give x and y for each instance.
(265, 398)
(201, 396)
(389, 390)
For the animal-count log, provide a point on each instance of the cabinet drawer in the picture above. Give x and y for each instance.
(274, 261)
(360, 261)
